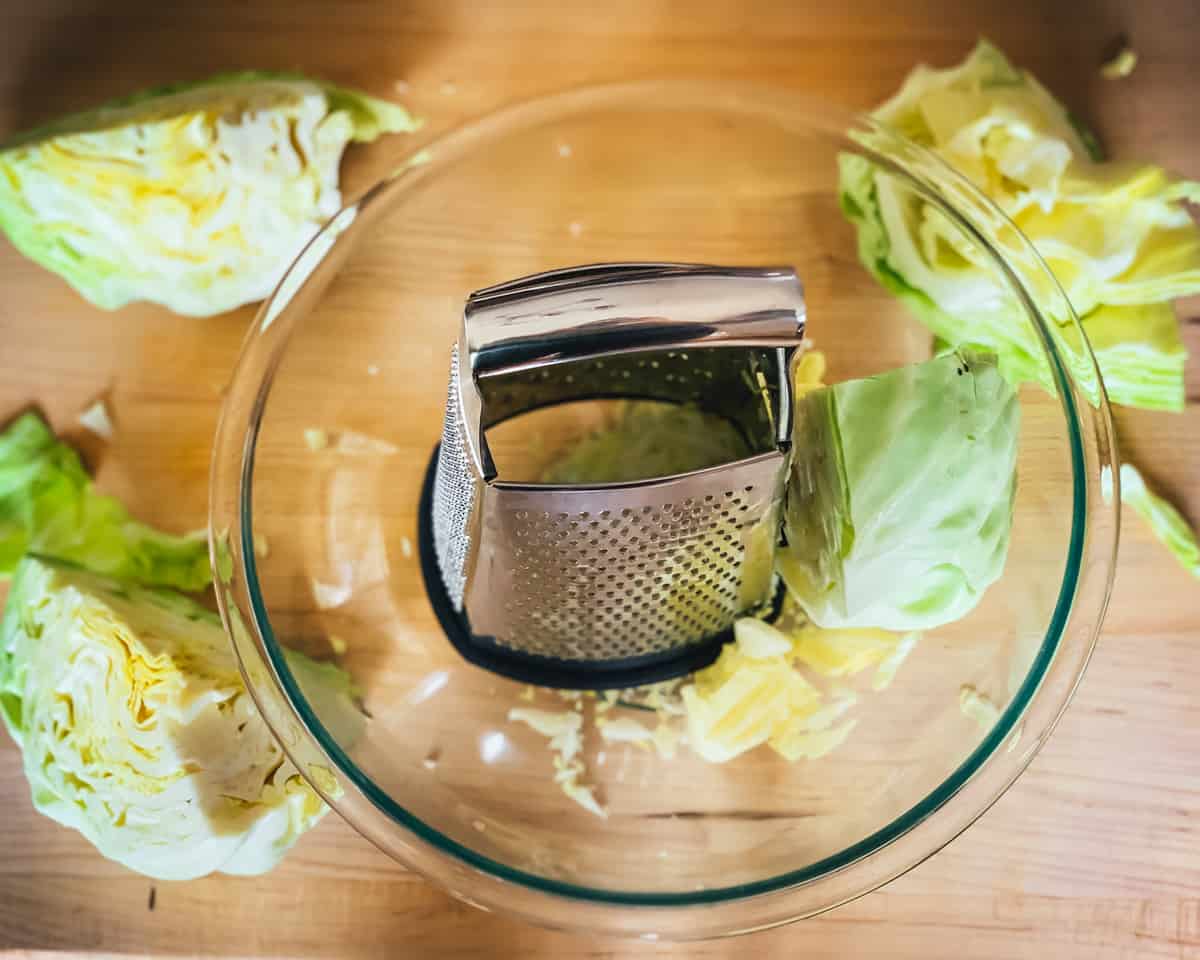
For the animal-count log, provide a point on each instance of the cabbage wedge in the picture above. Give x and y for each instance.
(137, 731)
(900, 498)
(196, 196)
(1118, 237)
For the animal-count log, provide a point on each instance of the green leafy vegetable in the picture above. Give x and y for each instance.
(137, 731)
(901, 493)
(49, 506)
(1139, 351)
(195, 196)
(1165, 522)
(649, 439)
(1121, 65)
(653, 439)
(1118, 237)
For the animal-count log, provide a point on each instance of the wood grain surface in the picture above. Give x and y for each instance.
(1095, 853)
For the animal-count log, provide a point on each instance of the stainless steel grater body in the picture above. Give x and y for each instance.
(606, 576)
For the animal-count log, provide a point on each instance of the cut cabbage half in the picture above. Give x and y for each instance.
(137, 730)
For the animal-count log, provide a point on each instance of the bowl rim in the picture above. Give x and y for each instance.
(237, 436)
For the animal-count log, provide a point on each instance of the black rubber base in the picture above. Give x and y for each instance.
(541, 671)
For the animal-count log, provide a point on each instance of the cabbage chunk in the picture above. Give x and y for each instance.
(751, 695)
(900, 497)
(1118, 237)
(137, 731)
(196, 196)
(756, 692)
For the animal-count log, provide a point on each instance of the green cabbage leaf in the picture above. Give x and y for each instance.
(49, 506)
(1165, 522)
(900, 498)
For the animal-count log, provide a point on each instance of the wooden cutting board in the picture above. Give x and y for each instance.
(1094, 854)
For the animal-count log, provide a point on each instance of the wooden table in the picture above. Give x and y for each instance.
(1095, 853)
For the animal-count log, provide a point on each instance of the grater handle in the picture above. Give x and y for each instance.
(603, 309)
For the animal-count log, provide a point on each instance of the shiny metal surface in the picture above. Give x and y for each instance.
(625, 571)
(603, 309)
(457, 484)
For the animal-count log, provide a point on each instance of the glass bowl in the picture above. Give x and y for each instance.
(337, 404)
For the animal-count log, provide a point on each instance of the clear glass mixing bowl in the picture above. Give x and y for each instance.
(355, 343)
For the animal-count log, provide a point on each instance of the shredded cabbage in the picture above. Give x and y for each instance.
(564, 728)
(844, 652)
(750, 696)
(978, 707)
(756, 692)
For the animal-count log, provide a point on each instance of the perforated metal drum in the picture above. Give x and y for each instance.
(607, 585)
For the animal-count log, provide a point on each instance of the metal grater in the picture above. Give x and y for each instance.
(611, 585)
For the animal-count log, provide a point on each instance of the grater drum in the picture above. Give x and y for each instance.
(611, 584)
